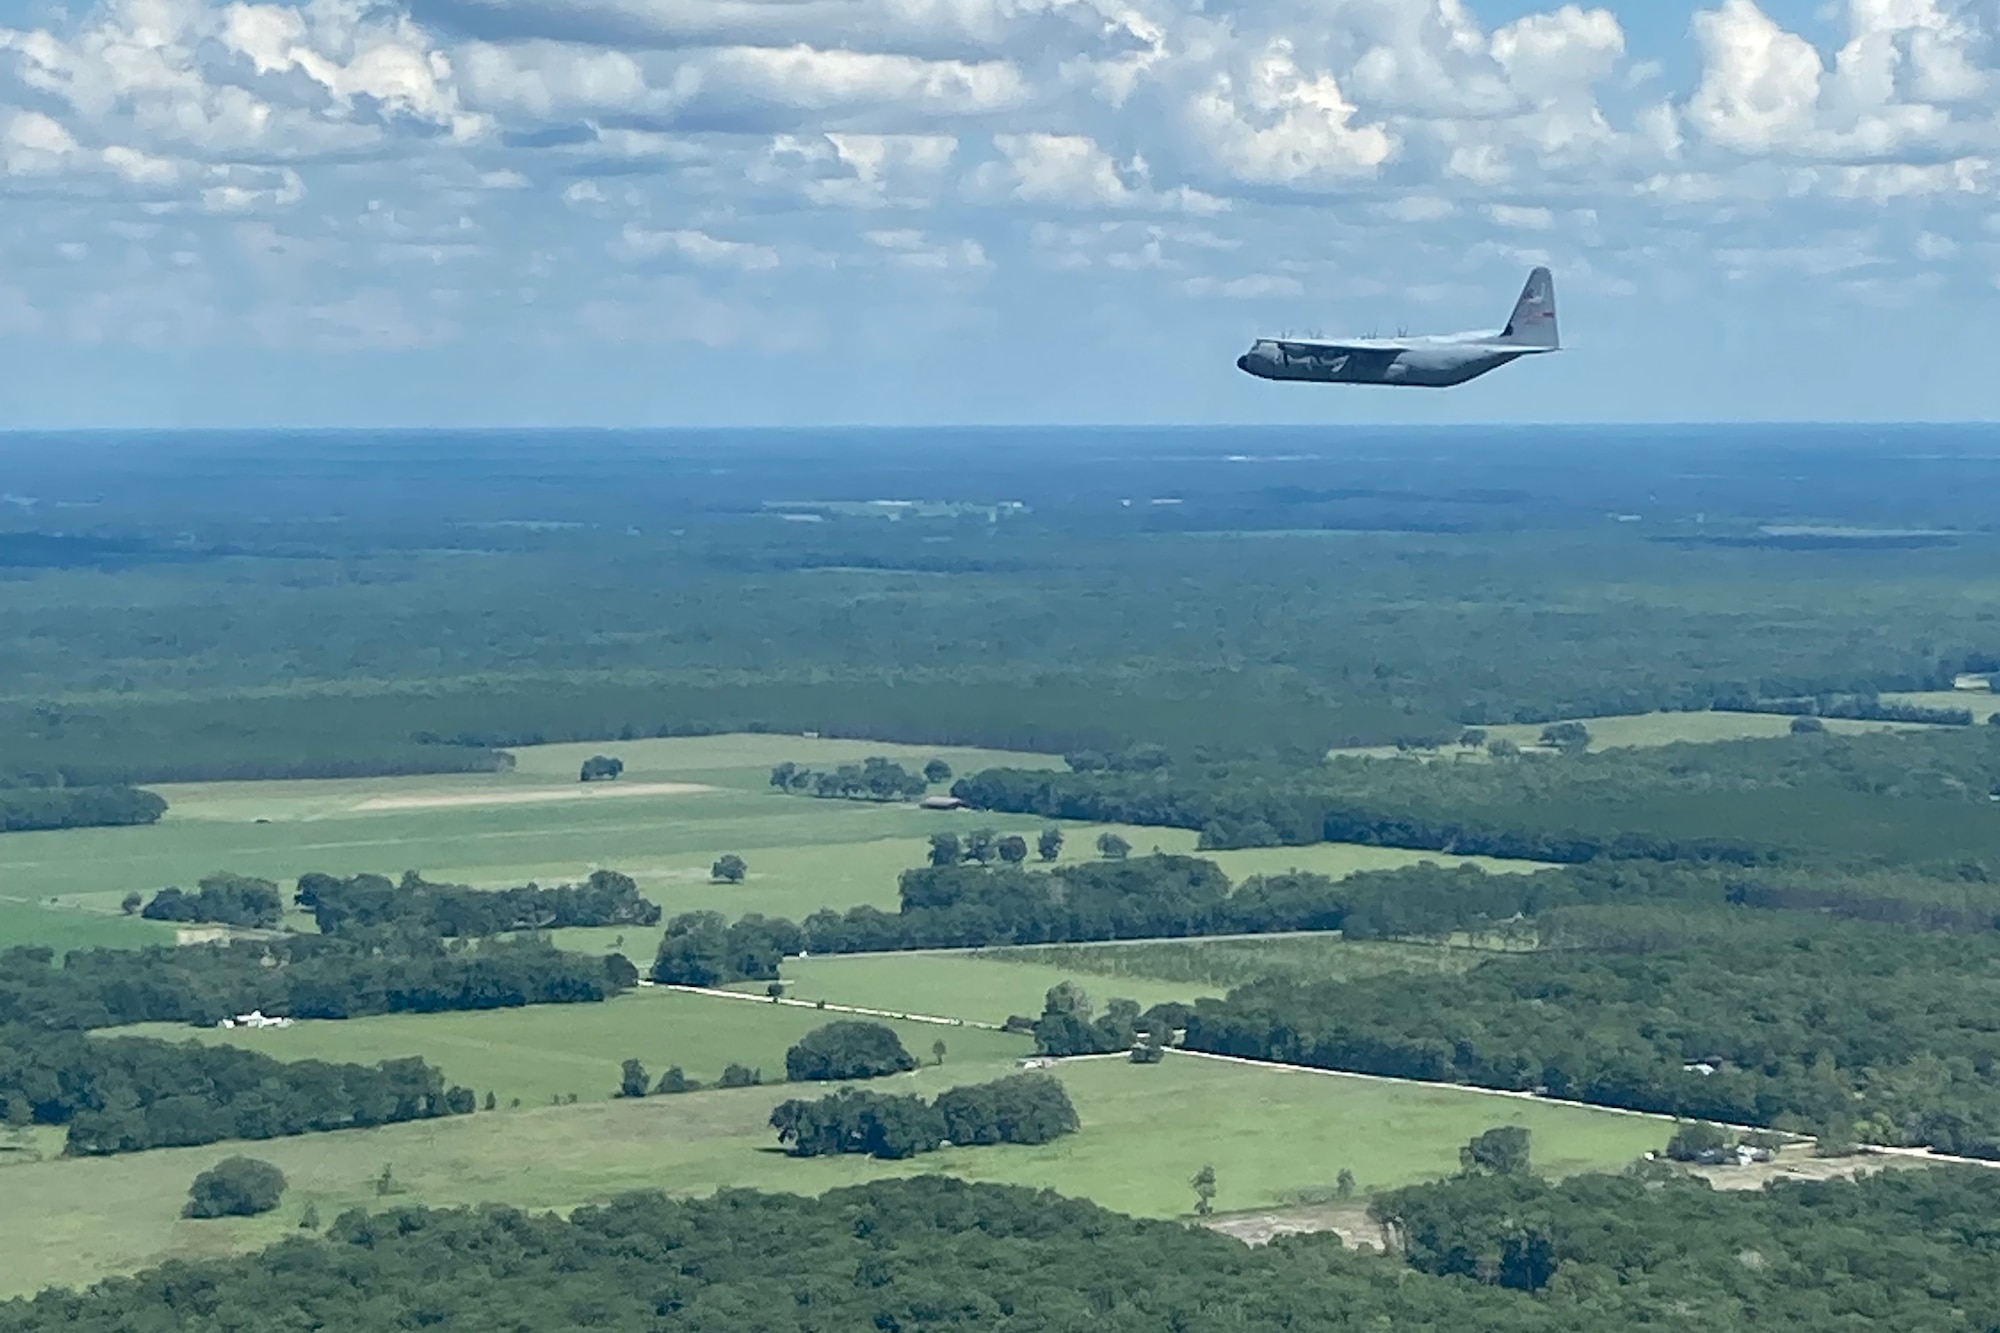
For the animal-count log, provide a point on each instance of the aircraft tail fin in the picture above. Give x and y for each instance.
(1533, 323)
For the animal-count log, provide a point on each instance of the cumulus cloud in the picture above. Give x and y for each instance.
(598, 157)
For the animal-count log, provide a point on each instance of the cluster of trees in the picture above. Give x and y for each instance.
(367, 902)
(632, 1079)
(26, 808)
(1499, 1253)
(873, 779)
(127, 1094)
(1071, 1025)
(1861, 1031)
(223, 899)
(300, 976)
(984, 847)
(1023, 1108)
(707, 949)
(847, 1049)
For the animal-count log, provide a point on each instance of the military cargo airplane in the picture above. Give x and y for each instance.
(1435, 362)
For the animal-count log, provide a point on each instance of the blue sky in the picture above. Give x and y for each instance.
(498, 212)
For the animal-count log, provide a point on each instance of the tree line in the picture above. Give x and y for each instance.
(299, 976)
(1022, 1108)
(1494, 1252)
(222, 899)
(25, 809)
(361, 902)
(128, 1094)
(873, 779)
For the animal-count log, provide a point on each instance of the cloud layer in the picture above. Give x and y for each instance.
(777, 174)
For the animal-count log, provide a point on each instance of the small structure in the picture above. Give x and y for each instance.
(941, 803)
(254, 1019)
(1035, 1062)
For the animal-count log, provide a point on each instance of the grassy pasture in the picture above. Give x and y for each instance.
(984, 989)
(552, 1050)
(65, 928)
(803, 853)
(1146, 1129)
(1182, 969)
(1643, 730)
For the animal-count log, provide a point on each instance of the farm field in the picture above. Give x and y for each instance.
(679, 805)
(62, 929)
(1210, 967)
(1639, 730)
(541, 1052)
(74, 1221)
(958, 985)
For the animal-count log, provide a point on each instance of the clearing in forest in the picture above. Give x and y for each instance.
(1275, 1138)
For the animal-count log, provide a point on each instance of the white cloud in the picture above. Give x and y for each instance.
(1072, 171)
(1524, 219)
(1279, 124)
(698, 247)
(1256, 287)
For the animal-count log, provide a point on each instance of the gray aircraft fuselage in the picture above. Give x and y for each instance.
(1436, 362)
(1420, 364)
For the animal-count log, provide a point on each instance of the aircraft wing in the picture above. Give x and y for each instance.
(1359, 358)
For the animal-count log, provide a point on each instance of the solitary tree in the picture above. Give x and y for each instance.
(981, 844)
(676, 1081)
(309, 1219)
(729, 869)
(1049, 845)
(1695, 1140)
(945, 850)
(491, 1101)
(632, 1080)
(1013, 849)
(1204, 1191)
(1807, 726)
(1113, 847)
(936, 771)
(600, 767)
(1502, 1151)
(1502, 747)
(937, 1050)
(1472, 737)
(235, 1187)
(132, 903)
(1343, 1184)
(1569, 737)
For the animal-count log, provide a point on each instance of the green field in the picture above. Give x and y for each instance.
(958, 985)
(1146, 1129)
(537, 822)
(1637, 730)
(1182, 969)
(64, 928)
(552, 1050)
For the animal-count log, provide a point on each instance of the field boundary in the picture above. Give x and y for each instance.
(938, 1020)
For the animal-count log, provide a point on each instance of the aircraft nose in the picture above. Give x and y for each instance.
(1243, 363)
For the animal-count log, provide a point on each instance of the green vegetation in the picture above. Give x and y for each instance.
(1024, 1108)
(847, 1049)
(75, 1221)
(1155, 970)
(235, 1187)
(537, 1055)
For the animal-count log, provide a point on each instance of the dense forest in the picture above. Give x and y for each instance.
(1301, 592)
(1847, 1029)
(1497, 1254)
(1907, 796)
